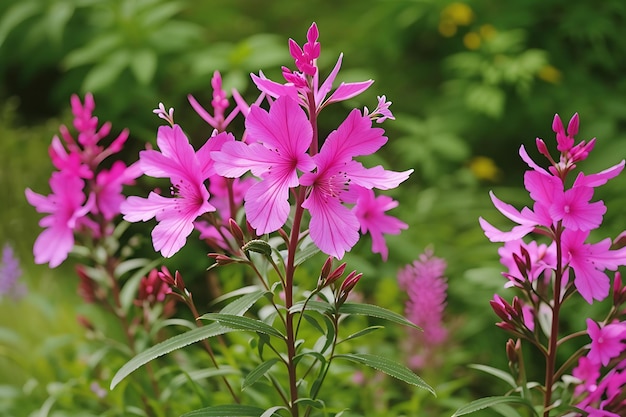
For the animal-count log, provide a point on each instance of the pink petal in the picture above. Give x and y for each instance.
(274, 89)
(530, 162)
(590, 283)
(53, 245)
(496, 235)
(171, 233)
(596, 180)
(328, 217)
(267, 205)
(285, 127)
(320, 94)
(511, 212)
(376, 177)
(203, 155)
(137, 209)
(236, 158)
(354, 137)
(346, 91)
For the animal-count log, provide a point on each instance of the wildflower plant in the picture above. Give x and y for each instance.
(270, 200)
(562, 264)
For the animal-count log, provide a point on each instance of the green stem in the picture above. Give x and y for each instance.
(554, 331)
(289, 324)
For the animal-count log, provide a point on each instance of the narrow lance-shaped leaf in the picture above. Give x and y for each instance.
(389, 367)
(243, 323)
(258, 372)
(483, 403)
(375, 311)
(239, 306)
(234, 410)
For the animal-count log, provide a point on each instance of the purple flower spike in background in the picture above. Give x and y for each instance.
(10, 273)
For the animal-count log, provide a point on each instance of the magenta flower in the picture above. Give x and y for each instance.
(588, 373)
(336, 172)
(606, 342)
(187, 171)
(426, 287)
(370, 212)
(589, 262)
(109, 184)
(278, 143)
(300, 84)
(536, 258)
(67, 208)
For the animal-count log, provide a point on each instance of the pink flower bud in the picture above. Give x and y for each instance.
(572, 127)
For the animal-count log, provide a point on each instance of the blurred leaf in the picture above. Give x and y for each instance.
(17, 14)
(498, 373)
(94, 51)
(363, 332)
(143, 64)
(57, 17)
(104, 74)
(235, 410)
(389, 367)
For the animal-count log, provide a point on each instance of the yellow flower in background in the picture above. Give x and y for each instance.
(454, 15)
(549, 74)
(472, 40)
(458, 13)
(484, 168)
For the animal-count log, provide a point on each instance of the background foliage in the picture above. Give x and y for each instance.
(470, 81)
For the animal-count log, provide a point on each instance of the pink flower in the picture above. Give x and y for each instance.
(336, 172)
(66, 207)
(426, 287)
(279, 140)
(370, 212)
(589, 262)
(109, 184)
(298, 86)
(187, 171)
(606, 341)
(588, 373)
(537, 258)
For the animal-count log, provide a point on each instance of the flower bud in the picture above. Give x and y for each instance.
(572, 127)
(512, 351)
(236, 231)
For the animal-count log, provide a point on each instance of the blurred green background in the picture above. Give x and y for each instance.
(470, 81)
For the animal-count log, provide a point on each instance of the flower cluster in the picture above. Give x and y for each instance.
(426, 287)
(549, 272)
(281, 150)
(85, 196)
(10, 273)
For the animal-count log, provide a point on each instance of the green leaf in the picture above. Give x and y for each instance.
(15, 15)
(272, 411)
(258, 246)
(239, 306)
(375, 311)
(105, 73)
(234, 410)
(483, 403)
(243, 304)
(306, 252)
(167, 346)
(389, 367)
(312, 305)
(129, 291)
(363, 332)
(243, 323)
(143, 65)
(258, 372)
(498, 373)
(93, 51)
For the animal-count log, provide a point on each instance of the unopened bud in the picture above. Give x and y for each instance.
(166, 276)
(178, 281)
(620, 241)
(619, 291)
(221, 259)
(336, 274)
(542, 148)
(348, 285)
(85, 322)
(325, 272)
(572, 127)
(236, 231)
(86, 287)
(512, 351)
